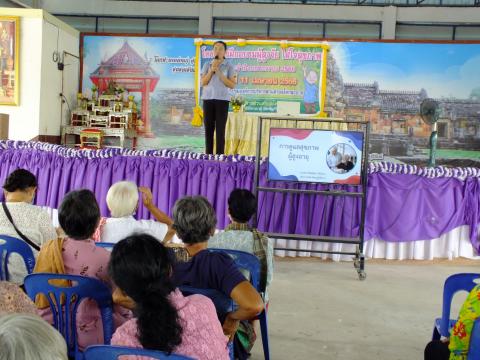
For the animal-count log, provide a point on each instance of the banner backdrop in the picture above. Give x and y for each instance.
(275, 76)
(380, 82)
(168, 60)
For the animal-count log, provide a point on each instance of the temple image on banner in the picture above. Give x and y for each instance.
(128, 69)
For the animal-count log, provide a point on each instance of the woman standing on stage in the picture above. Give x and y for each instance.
(218, 77)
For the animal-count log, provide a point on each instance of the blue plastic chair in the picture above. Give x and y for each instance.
(107, 352)
(474, 347)
(64, 315)
(453, 284)
(105, 245)
(250, 263)
(10, 245)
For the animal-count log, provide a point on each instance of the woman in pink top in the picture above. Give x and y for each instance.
(79, 216)
(165, 319)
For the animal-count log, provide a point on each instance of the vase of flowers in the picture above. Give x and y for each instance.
(237, 103)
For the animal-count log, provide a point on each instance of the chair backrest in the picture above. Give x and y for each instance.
(105, 245)
(64, 302)
(245, 261)
(474, 347)
(453, 284)
(106, 352)
(10, 245)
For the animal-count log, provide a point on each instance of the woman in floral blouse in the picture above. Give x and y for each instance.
(77, 254)
(456, 348)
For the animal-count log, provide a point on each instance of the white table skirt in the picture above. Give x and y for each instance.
(453, 244)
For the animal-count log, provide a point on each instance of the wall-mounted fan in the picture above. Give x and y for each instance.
(430, 112)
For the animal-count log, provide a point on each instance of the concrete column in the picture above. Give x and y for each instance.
(205, 19)
(389, 22)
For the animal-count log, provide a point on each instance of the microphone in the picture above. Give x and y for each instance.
(216, 58)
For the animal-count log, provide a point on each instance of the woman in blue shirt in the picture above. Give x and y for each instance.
(218, 77)
(195, 220)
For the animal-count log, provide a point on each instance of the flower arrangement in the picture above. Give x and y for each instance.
(237, 102)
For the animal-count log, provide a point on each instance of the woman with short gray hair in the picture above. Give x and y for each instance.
(25, 336)
(194, 220)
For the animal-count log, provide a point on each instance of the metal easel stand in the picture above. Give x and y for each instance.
(359, 257)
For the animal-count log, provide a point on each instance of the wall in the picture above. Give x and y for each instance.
(24, 119)
(57, 37)
(38, 112)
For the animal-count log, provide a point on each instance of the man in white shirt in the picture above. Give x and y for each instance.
(334, 158)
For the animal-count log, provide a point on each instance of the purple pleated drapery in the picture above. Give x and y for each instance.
(404, 203)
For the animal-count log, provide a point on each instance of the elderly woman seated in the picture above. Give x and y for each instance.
(77, 254)
(122, 201)
(195, 221)
(239, 235)
(26, 336)
(20, 219)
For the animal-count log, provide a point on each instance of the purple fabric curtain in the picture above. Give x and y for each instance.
(400, 207)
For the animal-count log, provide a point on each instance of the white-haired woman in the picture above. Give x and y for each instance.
(122, 201)
(25, 336)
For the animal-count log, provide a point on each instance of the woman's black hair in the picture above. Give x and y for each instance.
(241, 205)
(79, 214)
(20, 179)
(221, 42)
(140, 266)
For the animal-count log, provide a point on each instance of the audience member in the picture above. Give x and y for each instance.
(20, 219)
(122, 201)
(165, 319)
(456, 347)
(239, 235)
(26, 336)
(76, 254)
(194, 221)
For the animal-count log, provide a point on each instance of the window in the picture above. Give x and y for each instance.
(122, 25)
(240, 27)
(467, 33)
(296, 29)
(173, 26)
(423, 32)
(352, 31)
(81, 23)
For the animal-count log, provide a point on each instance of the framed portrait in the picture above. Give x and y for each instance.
(9, 44)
